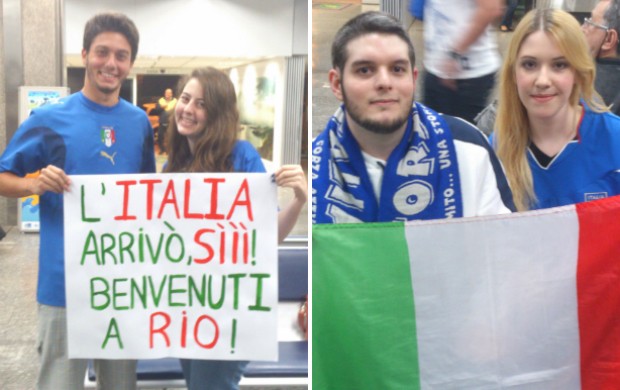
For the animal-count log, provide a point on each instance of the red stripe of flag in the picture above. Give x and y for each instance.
(598, 292)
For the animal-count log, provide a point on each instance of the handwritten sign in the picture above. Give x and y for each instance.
(181, 265)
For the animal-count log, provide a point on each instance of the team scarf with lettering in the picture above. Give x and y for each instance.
(420, 179)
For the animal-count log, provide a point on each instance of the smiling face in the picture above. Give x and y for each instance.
(544, 77)
(377, 84)
(107, 63)
(190, 112)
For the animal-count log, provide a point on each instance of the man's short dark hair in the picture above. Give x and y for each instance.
(363, 24)
(112, 22)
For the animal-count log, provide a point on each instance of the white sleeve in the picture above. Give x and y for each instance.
(479, 187)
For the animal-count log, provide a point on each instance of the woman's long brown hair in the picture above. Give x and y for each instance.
(213, 150)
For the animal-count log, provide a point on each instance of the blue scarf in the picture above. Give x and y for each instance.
(420, 180)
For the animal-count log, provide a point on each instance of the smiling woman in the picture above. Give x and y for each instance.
(545, 83)
(550, 118)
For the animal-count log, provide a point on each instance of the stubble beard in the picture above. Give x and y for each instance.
(107, 91)
(92, 75)
(374, 126)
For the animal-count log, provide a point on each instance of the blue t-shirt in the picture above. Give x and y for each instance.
(81, 137)
(246, 158)
(586, 169)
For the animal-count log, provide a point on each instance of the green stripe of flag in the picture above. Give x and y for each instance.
(363, 318)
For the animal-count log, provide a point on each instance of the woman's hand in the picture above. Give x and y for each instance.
(292, 176)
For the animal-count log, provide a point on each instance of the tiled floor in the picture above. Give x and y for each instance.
(18, 277)
(325, 23)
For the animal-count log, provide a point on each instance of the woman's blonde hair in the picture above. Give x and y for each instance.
(512, 125)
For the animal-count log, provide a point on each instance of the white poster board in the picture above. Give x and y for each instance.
(172, 265)
(30, 98)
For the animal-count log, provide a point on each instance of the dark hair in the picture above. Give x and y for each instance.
(213, 151)
(112, 22)
(363, 24)
(612, 17)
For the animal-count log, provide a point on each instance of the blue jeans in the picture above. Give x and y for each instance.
(469, 98)
(510, 12)
(212, 374)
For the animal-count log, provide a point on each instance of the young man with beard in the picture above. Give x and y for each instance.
(90, 132)
(384, 157)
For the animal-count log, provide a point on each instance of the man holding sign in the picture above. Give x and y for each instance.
(90, 132)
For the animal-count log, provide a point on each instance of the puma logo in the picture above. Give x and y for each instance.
(106, 155)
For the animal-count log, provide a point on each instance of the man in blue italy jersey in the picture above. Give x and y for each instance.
(92, 131)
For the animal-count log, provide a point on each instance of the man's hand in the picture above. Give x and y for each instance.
(451, 67)
(52, 179)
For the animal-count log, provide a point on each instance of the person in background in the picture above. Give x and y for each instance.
(506, 23)
(203, 137)
(461, 55)
(166, 106)
(92, 131)
(382, 156)
(601, 30)
(558, 143)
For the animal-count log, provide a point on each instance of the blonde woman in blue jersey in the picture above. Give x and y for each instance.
(558, 143)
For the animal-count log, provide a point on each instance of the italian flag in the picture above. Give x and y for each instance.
(523, 301)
